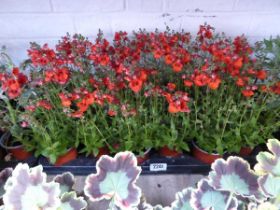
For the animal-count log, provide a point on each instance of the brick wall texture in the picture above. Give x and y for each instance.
(22, 21)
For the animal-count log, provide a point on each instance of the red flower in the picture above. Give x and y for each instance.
(15, 71)
(49, 76)
(169, 59)
(12, 87)
(171, 86)
(261, 74)
(201, 80)
(135, 85)
(188, 83)
(276, 88)
(247, 93)
(30, 108)
(89, 98)
(104, 60)
(82, 105)
(61, 76)
(112, 113)
(241, 82)
(44, 104)
(238, 63)
(177, 66)
(22, 79)
(77, 114)
(157, 54)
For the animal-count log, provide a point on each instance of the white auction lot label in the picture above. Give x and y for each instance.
(158, 166)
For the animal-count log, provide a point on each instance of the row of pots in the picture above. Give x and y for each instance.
(19, 153)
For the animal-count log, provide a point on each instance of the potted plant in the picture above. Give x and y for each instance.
(13, 95)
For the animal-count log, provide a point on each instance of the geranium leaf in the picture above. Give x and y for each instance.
(270, 185)
(70, 201)
(115, 179)
(269, 162)
(4, 175)
(182, 201)
(206, 197)
(66, 182)
(27, 189)
(234, 175)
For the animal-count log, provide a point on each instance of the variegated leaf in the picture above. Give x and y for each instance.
(206, 197)
(234, 175)
(115, 179)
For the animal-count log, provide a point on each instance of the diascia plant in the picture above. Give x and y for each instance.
(151, 89)
(230, 185)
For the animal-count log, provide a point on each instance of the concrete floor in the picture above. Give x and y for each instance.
(158, 189)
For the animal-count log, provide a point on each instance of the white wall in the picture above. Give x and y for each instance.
(22, 21)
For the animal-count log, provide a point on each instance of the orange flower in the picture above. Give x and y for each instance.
(214, 83)
(173, 108)
(65, 101)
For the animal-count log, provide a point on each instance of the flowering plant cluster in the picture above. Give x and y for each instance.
(151, 89)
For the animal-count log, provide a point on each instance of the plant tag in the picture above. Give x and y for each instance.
(158, 166)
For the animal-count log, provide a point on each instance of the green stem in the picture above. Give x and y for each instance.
(11, 111)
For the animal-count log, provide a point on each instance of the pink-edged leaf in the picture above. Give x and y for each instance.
(4, 175)
(206, 197)
(70, 201)
(269, 162)
(115, 179)
(234, 175)
(182, 201)
(27, 189)
(66, 182)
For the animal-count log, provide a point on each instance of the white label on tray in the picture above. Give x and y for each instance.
(158, 166)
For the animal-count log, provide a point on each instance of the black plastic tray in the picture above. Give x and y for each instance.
(185, 164)
(32, 161)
